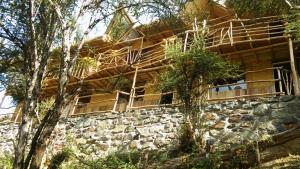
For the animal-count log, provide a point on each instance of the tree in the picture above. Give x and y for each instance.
(261, 8)
(29, 29)
(190, 75)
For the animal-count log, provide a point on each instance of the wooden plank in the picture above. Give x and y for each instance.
(293, 69)
(74, 106)
(248, 96)
(132, 92)
(256, 81)
(185, 41)
(280, 80)
(255, 49)
(102, 101)
(116, 102)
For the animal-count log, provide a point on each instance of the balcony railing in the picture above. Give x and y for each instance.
(254, 88)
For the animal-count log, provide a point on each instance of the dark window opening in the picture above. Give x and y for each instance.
(123, 98)
(285, 81)
(140, 94)
(275, 30)
(84, 99)
(166, 98)
(209, 40)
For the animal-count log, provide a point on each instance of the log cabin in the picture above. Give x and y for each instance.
(135, 55)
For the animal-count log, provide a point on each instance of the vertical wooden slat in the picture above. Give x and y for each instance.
(116, 102)
(221, 37)
(284, 80)
(75, 104)
(280, 80)
(132, 92)
(185, 41)
(231, 34)
(293, 68)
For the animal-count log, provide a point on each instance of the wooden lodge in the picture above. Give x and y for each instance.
(261, 45)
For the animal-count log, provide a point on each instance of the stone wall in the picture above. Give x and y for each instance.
(241, 121)
(226, 124)
(103, 133)
(8, 133)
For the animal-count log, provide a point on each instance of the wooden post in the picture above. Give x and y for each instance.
(293, 69)
(231, 34)
(185, 41)
(74, 106)
(166, 47)
(221, 37)
(280, 80)
(132, 92)
(208, 97)
(116, 102)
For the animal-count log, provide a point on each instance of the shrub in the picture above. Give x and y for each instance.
(6, 161)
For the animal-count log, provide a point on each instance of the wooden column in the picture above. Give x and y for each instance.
(293, 69)
(280, 80)
(186, 41)
(132, 92)
(116, 102)
(74, 106)
(208, 96)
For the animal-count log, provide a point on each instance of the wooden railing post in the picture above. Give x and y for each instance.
(185, 41)
(280, 79)
(116, 102)
(208, 96)
(231, 34)
(293, 68)
(74, 106)
(132, 92)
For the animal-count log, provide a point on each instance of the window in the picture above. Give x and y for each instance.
(166, 98)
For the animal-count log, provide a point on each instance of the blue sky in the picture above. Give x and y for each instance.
(7, 103)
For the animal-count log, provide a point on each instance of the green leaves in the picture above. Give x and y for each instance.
(293, 26)
(258, 8)
(194, 68)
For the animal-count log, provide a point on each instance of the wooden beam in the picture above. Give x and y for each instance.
(293, 69)
(116, 102)
(132, 92)
(74, 106)
(185, 41)
(280, 80)
(247, 96)
(255, 49)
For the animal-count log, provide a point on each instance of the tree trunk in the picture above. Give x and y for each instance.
(22, 142)
(38, 148)
(39, 154)
(42, 142)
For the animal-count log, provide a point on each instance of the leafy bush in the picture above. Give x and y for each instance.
(186, 140)
(6, 161)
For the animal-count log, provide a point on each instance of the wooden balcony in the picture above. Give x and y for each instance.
(280, 85)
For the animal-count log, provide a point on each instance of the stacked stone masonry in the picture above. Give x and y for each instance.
(226, 124)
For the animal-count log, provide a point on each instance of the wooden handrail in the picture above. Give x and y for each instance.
(102, 101)
(247, 96)
(255, 81)
(154, 94)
